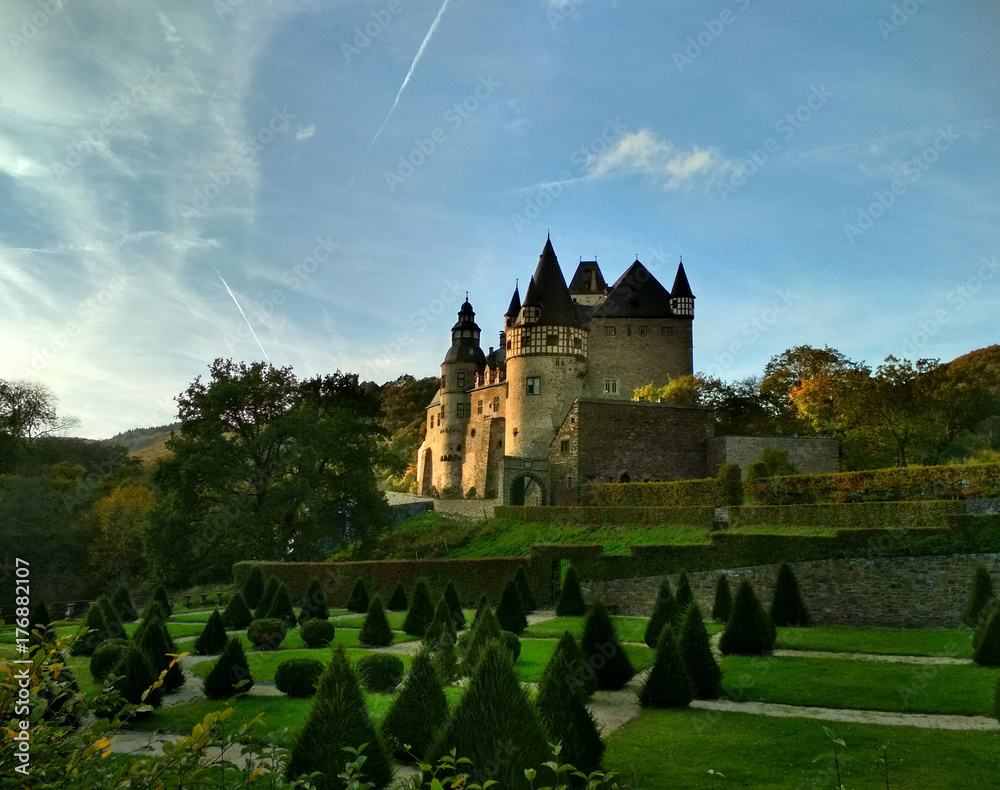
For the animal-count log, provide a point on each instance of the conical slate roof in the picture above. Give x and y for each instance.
(550, 291)
(515, 305)
(637, 294)
(681, 286)
(587, 279)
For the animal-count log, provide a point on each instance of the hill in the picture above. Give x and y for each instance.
(146, 444)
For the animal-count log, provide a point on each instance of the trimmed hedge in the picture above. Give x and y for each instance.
(861, 515)
(510, 613)
(681, 493)
(611, 514)
(298, 677)
(570, 603)
(600, 639)
(787, 606)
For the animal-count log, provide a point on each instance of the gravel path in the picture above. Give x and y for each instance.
(879, 657)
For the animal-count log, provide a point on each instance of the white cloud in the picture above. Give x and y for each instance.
(306, 133)
(662, 160)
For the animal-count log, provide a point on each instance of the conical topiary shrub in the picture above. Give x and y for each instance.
(253, 587)
(787, 607)
(123, 605)
(237, 615)
(266, 598)
(160, 596)
(570, 603)
(696, 650)
(39, 620)
(454, 606)
(230, 674)
(749, 631)
(113, 628)
(135, 675)
(314, 605)
(358, 600)
(979, 596)
(665, 612)
(281, 607)
(986, 641)
(212, 640)
(563, 712)
(421, 610)
(418, 712)
(484, 629)
(444, 658)
(495, 724)
(684, 596)
(600, 640)
(667, 685)
(154, 639)
(524, 589)
(397, 601)
(509, 613)
(338, 719)
(581, 678)
(87, 643)
(440, 625)
(723, 605)
(375, 631)
(480, 607)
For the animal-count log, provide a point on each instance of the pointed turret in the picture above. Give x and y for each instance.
(465, 339)
(513, 309)
(548, 289)
(681, 296)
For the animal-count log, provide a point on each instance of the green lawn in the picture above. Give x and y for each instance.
(395, 619)
(866, 685)
(956, 642)
(676, 749)
(630, 629)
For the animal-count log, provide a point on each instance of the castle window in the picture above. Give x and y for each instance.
(509, 345)
(642, 331)
(551, 340)
(496, 404)
(479, 407)
(610, 386)
(564, 446)
(533, 385)
(515, 431)
(432, 421)
(666, 330)
(461, 409)
(569, 481)
(472, 433)
(610, 330)
(577, 343)
(461, 379)
(560, 362)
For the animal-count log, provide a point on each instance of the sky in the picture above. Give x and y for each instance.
(317, 183)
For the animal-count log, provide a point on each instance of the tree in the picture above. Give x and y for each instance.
(265, 467)
(749, 631)
(986, 640)
(787, 607)
(421, 610)
(212, 640)
(600, 641)
(510, 615)
(418, 712)
(375, 631)
(696, 650)
(123, 605)
(485, 628)
(115, 552)
(570, 601)
(152, 636)
(28, 411)
(667, 685)
(442, 624)
(665, 612)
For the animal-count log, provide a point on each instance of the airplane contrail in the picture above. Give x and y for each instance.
(406, 80)
(230, 291)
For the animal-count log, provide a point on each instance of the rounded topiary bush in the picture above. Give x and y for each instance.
(418, 712)
(723, 604)
(317, 633)
(212, 640)
(298, 677)
(267, 633)
(376, 632)
(281, 607)
(667, 685)
(570, 603)
(230, 674)
(237, 616)
(358, 600)
(381, 672)
(787, 608)
(664, 613)
(421, 611)
(979, 596)
(750, 631)
(253, 587)
(106, 657)
(510, 615)
(397, 601)
(603, 651)
(314, 604)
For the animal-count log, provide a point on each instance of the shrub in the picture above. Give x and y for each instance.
(527, 599)
(729, 485)
(123, 605)
(281, 607)
(113, 628)
(317, 633)
(454, 606)
(750, 631)
(155, 609)
(358, 600)
(599, 638)
(996, 701)
(484, 629)
(696, 650)
(237, 616)
(212, 640)
(984, 618)
(684, 595)
(314, 605)
(495, 717)
(440, 625)
(570, 601)
(723, 605)
(418, 712)
(664, 613)
(160, 596)
(39, 617)
(756, 472)
(267, 598)
(381, 672)
(580, 677)
(981, 593)
(987, 641)
(509, 613)
(106, 657)
(87, 643)
(445, 660)
(667, 685)
(562, 710)
(155, 640)
(229, 672)
(397, 601)
(375, 631)
(787, 607)
(135, 675)
(253, 588)
(421, 610)
(297, 677)
(267, 633)
(512, 643)
(338, 719)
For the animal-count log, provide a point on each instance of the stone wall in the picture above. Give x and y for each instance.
(641, 351)
(904, 592)
(809, 455)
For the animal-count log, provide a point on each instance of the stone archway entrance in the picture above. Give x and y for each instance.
(625, 478)
(527, 489)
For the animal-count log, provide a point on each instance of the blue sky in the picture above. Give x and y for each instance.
(828, 172)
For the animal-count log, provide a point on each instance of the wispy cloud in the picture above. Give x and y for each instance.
(306, 132)
(661, 160)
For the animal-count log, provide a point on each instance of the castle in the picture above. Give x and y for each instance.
(551, 407)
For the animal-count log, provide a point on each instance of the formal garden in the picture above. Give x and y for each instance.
(276, 691)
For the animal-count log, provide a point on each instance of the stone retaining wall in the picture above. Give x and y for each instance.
(905, 592)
